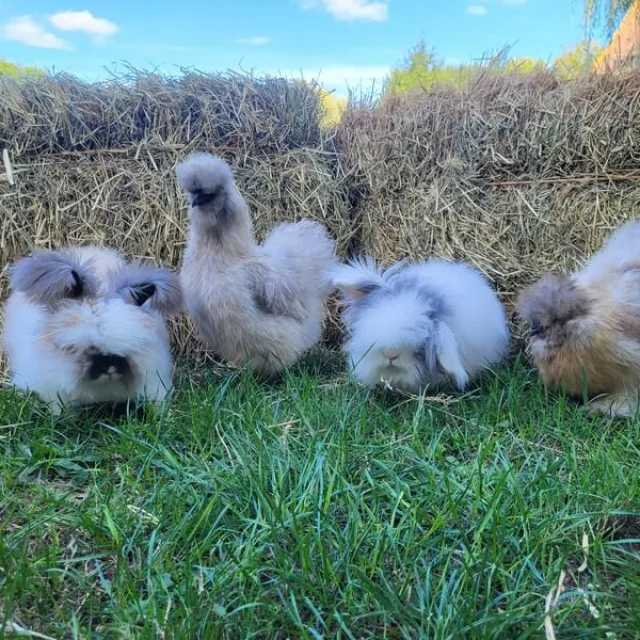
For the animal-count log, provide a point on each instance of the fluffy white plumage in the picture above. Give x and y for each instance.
(620, 251)
(260, 305)
(91, 343)
(420, 325)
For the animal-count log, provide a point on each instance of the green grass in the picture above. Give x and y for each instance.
(311, 508)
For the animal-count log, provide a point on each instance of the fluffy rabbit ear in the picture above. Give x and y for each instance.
(48, 277)
(448, 355)
(154, 287)
(357, 278)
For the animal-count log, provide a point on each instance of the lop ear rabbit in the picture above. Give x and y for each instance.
(420, 325)
(584, 328)
(83, 326)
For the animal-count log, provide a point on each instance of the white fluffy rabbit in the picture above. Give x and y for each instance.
(84, 326)
(420, 325)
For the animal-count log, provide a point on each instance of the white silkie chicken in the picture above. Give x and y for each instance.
(259, 305)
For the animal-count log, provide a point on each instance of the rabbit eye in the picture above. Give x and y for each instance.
(366, 289)
(76, 289)
(535, 329)
(142, 293)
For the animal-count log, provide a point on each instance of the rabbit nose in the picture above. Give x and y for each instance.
(107, 364)
(391, 355)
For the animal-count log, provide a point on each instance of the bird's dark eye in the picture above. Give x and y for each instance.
(535, 329)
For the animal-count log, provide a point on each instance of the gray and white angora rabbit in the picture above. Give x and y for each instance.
(84, 326)
(413, 326)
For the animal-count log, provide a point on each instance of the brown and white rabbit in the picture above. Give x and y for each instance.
(584, 328)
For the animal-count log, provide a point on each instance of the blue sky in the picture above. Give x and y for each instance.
(341, 42)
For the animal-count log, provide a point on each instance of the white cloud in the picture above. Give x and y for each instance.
(27, 31)
(255, 41)
(476, 10)
(83, 21)
(351, 10)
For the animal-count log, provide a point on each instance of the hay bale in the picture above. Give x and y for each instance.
(120, 201)
(131, 202)
(517, 175)
(247, 115)
(512, 235)
(295, 185)
(500, 127)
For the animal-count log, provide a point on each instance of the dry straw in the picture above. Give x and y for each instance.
(95, 162)
(519, 175)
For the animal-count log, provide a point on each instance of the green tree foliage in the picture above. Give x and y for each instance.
(17, 71)
(607, 13)
(577, 60)
(421, 71)
(332, 108)
(523, 65)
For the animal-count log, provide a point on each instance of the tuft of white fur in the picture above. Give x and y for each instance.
(421, 325)
(255, 305)
(47, 346)
(104, 263)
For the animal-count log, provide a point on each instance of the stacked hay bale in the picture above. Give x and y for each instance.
(94, 163)
(518, 175)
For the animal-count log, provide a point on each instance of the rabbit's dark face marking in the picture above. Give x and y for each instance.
(78, 286)
(142, 293)
(148, 286)
(106, 366)
(51, 278)
(107, 338)
(372, 294)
